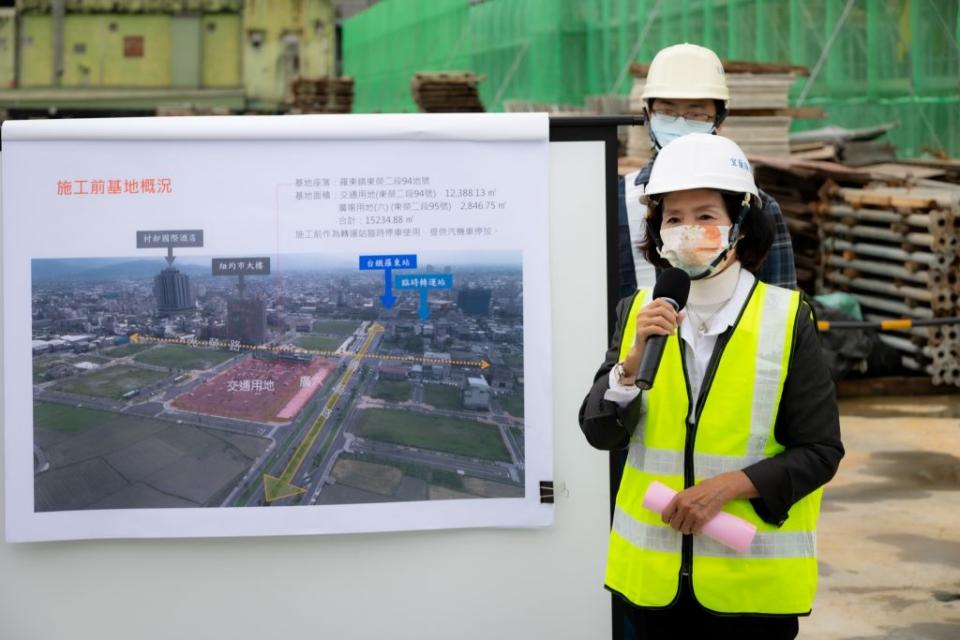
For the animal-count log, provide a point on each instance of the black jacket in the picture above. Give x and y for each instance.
(808, 423)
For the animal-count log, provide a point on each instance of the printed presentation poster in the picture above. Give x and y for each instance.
(232, 326)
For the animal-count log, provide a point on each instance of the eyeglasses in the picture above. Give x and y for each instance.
(671, 116)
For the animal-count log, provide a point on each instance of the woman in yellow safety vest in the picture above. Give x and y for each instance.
(742, 416)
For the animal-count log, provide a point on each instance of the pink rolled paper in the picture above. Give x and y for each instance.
(728, 530)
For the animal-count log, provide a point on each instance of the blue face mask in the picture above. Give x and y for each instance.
(666, 132)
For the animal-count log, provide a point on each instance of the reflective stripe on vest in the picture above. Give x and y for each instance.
(735, 428)
(797, 544)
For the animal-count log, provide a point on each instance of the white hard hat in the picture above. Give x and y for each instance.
(686, 71)
(700, 161)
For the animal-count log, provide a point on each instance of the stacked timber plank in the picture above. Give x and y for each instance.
(322, 95)
(896, 250)
(341, 95)
(527, 106)
(767, 135)
(759, 118)
(639, 146)
(799, 187)
(890, 239)
(853, 147)
(948, 170)
(167, 110)
(754, 91)
(447, 92)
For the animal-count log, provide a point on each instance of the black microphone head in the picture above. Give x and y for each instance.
(673, 283)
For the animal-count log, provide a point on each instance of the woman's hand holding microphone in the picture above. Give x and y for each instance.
(658, 318)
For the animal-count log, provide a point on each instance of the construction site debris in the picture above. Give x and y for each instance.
(894, 246)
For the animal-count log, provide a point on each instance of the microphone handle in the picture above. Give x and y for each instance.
(650, 362)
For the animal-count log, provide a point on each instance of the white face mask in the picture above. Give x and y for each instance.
(694, 247)
(666, 132)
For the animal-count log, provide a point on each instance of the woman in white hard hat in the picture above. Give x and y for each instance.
(686, 92)
(742, 418)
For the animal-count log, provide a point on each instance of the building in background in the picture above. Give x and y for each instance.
(871, 62)
(474, 302)
(247, 320)
(141, 57)
(8, 47)
(476, 394)
(171, 288)
(284, 41)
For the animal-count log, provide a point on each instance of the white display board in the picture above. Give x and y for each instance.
(472, 583)
(272, 325)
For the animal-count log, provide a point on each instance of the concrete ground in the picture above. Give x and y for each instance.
(889, 533)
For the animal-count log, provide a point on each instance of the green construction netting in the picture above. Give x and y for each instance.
(871, 61)
(385, 45)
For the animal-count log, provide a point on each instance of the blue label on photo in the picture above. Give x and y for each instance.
(369, 263)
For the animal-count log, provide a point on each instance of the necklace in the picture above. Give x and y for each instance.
(709, 296)
(700, 321)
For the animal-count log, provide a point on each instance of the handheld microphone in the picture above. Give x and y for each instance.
(673, 285)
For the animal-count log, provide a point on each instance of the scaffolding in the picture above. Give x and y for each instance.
(385, 45)
(871, 61)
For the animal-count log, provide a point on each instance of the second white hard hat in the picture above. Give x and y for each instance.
(686, 71)
(700, 161)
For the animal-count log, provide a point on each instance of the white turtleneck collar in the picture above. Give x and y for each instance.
(715, 290)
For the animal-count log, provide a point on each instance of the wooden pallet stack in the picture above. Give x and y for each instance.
(639, 146)
(167, 110)
(896, 250)
(799, 188)
(322, 95)
(528, 106)
(798, 197)
(341, 95)
(447, 92)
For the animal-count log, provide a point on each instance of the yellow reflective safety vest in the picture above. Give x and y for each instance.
(682, 440)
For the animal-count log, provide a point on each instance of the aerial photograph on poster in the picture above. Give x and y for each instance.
(264, 380)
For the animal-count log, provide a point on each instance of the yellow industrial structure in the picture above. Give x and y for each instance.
(144, 55)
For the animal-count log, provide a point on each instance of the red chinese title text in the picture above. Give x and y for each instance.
(117, 186)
